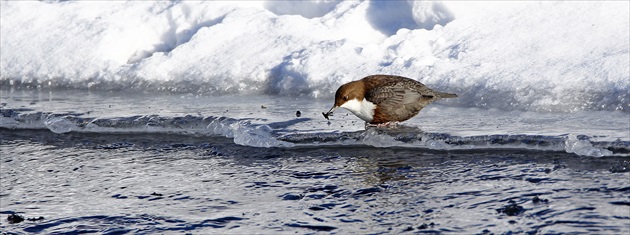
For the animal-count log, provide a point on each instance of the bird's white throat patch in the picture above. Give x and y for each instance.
(363, 109)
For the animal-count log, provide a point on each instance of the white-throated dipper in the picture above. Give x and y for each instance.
(384, 99)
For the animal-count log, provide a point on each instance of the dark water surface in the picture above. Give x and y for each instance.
(161, 183)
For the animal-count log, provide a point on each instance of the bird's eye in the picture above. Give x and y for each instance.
(345, 98)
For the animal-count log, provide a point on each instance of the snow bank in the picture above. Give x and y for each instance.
(545, 56)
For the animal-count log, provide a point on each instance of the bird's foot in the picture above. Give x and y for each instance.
(382, 125)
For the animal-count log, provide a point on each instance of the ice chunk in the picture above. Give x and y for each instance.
(246, 133)
(257, 136)
(59, 124)
(583, 147)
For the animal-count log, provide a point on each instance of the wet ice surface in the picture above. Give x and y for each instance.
(271, 121)
(157, 163)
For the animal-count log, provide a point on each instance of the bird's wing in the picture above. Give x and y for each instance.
(399, 101)
(397, 94)
(385, 95)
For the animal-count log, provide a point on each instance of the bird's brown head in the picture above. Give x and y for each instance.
(345, 93)
(349, 91)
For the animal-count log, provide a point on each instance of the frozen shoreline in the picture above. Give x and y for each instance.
(530, 56)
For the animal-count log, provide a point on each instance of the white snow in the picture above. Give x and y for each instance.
(543, 56)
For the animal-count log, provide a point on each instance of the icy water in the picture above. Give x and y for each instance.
(117, 163)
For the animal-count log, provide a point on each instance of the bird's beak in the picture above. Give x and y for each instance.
(329, 113)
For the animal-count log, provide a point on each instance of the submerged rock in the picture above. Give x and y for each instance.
(15, 218)
(512, 209)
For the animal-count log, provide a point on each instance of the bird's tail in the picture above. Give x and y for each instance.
(447, 95)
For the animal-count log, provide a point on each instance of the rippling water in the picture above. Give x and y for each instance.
(154, 183)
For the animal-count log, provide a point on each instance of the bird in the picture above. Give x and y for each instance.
(385, 99)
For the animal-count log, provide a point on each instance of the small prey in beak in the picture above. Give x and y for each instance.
(329, 113)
